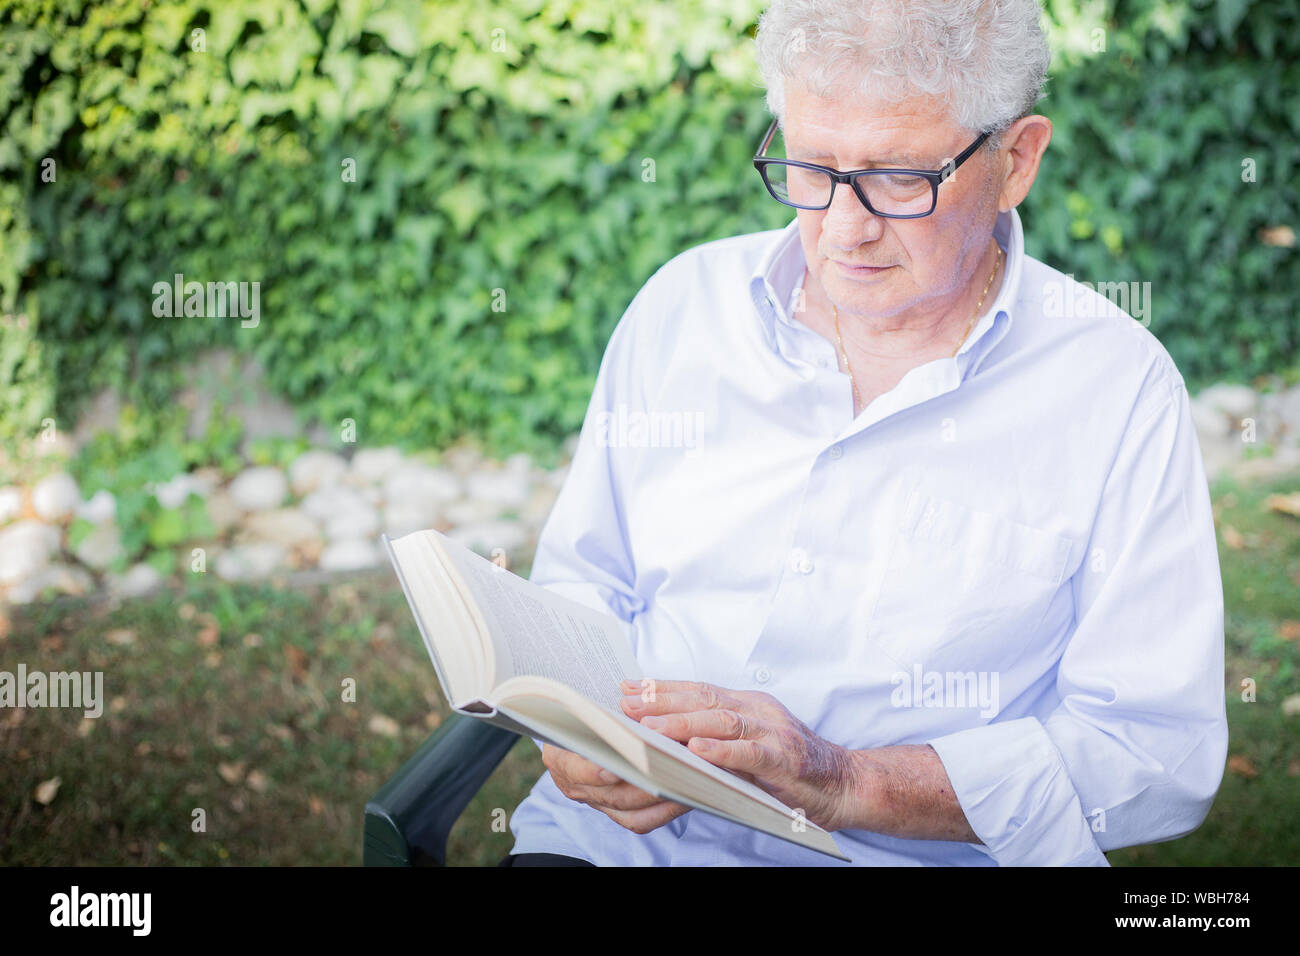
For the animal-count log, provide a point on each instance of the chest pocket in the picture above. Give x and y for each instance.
(963, 588)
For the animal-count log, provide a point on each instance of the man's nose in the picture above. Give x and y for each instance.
(848, 223)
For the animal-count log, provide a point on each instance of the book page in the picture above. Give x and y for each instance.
(538, 633)
(450, 633)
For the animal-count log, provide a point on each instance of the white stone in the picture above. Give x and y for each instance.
(284, 526)
(485, 536)
(1288, 453)
(250, 562)
(316, 469)
(539, 505)
(462, 459)
(139, 579)
(1279, 417)
(325, 502)
(360, 522)
(1219, 454)
(1211, 423)
(400, 519)
(11, 503)
(507, 489)
(259, 489)
(25, 548)
(175, 491)
(223, 511)
(100, 508)
(56, 496)
(1235, 401)
(469, 511)
(344, 511)
(412, 484)
(100, 548)
(352, 554)
(206, 480)
(60, 578)
(370, 465)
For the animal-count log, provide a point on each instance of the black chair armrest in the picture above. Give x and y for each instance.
(408, 820)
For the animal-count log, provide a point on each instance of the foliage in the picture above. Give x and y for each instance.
(502, 152)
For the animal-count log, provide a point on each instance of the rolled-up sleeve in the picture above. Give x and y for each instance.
(1135, 751)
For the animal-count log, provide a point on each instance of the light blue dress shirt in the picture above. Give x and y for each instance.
(1010, 556)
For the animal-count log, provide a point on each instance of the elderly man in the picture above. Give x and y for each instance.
(931, 562)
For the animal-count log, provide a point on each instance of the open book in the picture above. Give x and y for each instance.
(534, 662)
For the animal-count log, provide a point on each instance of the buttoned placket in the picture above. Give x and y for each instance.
(797, 585)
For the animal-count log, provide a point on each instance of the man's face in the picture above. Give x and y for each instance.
(927, 262)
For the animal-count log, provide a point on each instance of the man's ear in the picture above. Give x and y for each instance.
(1023, 145)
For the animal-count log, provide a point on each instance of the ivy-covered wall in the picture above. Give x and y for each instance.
(448, 205)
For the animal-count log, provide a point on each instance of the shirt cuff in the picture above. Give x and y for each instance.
(1012, 784)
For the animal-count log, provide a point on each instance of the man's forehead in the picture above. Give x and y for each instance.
(854, 151)
(818, 129)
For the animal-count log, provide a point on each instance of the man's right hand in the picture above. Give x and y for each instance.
(631, 807)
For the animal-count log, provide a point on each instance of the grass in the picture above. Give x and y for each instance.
(1255, 819)
(230, 700)
(227, 700)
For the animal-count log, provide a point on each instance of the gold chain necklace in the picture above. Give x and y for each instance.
(857, 399)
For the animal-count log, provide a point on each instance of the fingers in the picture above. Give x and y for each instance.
(739, 756)
(651, 818)
(576, 769)
(720, 724)
(581, 780)
(702, 697)
(627, 805)
(651, 684)
(622, 796)
(689, 695)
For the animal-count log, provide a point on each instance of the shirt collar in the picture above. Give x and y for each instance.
(773, 281)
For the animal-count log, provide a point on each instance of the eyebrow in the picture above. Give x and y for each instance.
(906, 160)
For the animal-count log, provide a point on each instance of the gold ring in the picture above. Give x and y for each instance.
(743, 727)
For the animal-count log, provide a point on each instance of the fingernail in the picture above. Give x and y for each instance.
(632, 700)
(633, 684)
(702, 743)
(654, 723)
(607, 777)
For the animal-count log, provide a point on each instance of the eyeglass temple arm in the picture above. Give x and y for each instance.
(967, 153)
(771, 131)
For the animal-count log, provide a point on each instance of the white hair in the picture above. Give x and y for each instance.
(985, 61)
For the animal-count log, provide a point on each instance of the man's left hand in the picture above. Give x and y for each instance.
(751, 734)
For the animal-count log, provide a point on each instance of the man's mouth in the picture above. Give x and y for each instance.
(860, 270)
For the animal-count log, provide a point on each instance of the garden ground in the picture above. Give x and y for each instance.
(229, 699)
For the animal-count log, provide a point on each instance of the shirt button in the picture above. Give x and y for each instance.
(836, 452)
(762, 675)
(800, 561)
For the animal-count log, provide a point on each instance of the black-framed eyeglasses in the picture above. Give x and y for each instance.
(891, 193)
